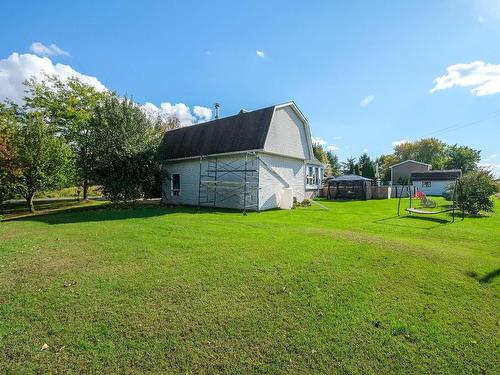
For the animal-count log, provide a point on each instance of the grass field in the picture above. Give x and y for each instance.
(352, 290)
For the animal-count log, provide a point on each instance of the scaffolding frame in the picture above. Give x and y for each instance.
(234, 182)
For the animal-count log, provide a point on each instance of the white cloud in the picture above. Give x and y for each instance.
(483, 77)
(260, 54)
(332, 148)
(397, 143)
(367, 100)
(17, 68)
(50, 50)
(365, 150)
(203, 113)
(318, 141)
(179, 110)
(494, 155)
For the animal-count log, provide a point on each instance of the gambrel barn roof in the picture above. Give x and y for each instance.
(257, 130)
(242, 132)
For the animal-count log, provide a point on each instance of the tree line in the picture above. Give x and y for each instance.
(428, 150)
(66, 133)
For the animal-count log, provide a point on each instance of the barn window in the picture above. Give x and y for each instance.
(314, 176)
(426, 184)
(176, 184)
(310, 176)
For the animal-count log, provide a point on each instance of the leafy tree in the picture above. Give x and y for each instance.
(428, 150)
(385, 161)
(350, 166)
(42, 160)
(477, 189)
(126, 144)
(366, 166)
(320, 153)
(335, 166)
(165, 124)
(462, 157)
(432, 151)
(322, 156)
(7, 155)
(68, 106)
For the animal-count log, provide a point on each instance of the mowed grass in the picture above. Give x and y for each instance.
(352, 290)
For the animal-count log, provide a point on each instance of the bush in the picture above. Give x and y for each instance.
(477, 190)
(305, 203)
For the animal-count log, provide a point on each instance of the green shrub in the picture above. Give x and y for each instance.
(476, 192)
(448, 193)
(305, 203)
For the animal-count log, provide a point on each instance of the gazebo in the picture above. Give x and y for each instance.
(349, 186)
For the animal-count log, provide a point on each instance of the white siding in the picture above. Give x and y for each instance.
(277, 172)
(436, 188)
(189, 171)
(284, 159)
(288, 135)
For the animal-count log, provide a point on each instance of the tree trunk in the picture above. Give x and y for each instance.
(29, 202)
(85, 188)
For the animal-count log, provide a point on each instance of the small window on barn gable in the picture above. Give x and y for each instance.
(176, 184)
(426, 184)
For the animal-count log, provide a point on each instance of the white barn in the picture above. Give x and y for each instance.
(255, 160)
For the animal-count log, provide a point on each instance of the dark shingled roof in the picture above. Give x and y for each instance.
(242, 132)
(444, 175)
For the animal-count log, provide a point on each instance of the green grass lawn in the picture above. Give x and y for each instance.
(352, 290)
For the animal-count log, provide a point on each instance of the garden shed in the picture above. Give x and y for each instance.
(350, 186)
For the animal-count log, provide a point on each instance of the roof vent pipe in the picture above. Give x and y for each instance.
(217, 107)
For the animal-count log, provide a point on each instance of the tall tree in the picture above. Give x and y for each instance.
(350, 166)
(43, 161)
(366, 166)
(321, 155)
(335, 166)
(427, 150)
(68, 106)
(384, 162)
(462, 157)
(7, 155)
(126, 144)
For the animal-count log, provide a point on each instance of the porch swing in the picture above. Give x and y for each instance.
(455, 206)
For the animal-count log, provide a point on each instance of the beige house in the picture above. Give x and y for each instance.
(401, 172)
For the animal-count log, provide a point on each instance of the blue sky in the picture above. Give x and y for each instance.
(330, 57)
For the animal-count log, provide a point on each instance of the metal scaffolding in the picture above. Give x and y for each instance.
(231, 182)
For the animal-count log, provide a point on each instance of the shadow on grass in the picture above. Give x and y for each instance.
(114, 211)
(488, 278)
(428, 219)
(13, 208)
(396, 221)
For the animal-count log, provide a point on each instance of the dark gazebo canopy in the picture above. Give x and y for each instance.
(350, 186)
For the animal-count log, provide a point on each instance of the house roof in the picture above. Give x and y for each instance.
(407, 161)
(438, 175)
(242, 132)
